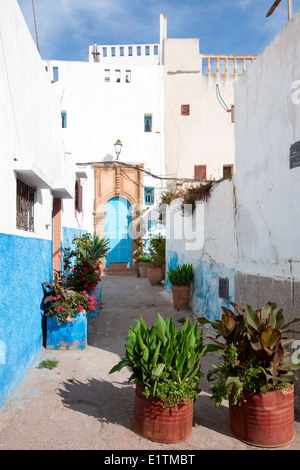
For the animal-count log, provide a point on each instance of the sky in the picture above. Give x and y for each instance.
(66, 28)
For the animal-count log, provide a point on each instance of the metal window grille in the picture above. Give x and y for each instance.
(25, 206)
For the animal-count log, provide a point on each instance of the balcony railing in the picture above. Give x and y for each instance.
(226, 64)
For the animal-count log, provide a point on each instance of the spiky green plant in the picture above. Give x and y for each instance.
(183, 275)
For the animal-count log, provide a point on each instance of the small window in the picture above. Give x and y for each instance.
(130, 50)
(149, 196)
(118, 75)
(104, 51)
(155, 50)
(227, 171)
(147, 50)
(25, 207)
(139, 50)
(107, 75)
(128, 76)
(185, 110)
(55, 73)
(148, 123)
(113, 51)
(63, 119)
(200, 172)
(121, 51)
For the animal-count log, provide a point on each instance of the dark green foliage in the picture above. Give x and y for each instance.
(164, 361)
(183, 275)
(157, 250)
(255, 353)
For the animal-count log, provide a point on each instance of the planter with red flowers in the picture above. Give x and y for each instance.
(66, 313)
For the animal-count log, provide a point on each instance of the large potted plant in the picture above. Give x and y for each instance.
(143, 264)
(165, 366)
(82, 264)
(181, 279)
(157, 247)
(256, 373)
(66, 314)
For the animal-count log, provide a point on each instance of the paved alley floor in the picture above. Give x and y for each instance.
(79, 406)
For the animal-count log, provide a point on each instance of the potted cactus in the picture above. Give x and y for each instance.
(165, 366)
(256, 374)
(181, 279)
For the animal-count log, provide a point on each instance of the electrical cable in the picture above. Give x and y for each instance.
(226, 107)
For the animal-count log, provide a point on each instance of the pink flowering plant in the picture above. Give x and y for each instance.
(65, 303)
(82, 265)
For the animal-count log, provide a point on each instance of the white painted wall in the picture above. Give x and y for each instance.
(268, 191)
(209, 233)
(206, 137)
(100, 112)
(30, 131)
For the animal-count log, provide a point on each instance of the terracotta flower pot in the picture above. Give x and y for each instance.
(265, 420)
(181, 296)
(153, 422)
(154, 275)
(143, 268)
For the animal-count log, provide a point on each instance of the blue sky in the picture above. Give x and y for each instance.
(67, 27)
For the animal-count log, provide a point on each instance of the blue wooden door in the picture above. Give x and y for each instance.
(117, 229)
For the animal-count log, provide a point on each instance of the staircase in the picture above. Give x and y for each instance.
(118, 269)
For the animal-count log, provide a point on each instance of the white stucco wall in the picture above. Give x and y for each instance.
(30, 131)
(268, 192)
(206, 136)
(101, 112)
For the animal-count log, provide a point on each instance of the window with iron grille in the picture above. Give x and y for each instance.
(25, 206)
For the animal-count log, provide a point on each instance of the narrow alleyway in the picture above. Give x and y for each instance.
(79, 406)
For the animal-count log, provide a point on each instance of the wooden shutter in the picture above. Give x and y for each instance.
(78, 196)
(200, 172)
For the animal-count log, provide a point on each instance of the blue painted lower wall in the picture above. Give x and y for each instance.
(205, 300)
(24, 264)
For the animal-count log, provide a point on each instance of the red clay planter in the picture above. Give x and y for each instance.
(265, 420)
(153, 422)
(154, 275)
(181, 296)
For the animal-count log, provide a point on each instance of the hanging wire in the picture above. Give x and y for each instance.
(226, 107)
(36, 33)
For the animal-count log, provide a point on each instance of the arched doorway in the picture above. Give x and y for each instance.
(118, 229)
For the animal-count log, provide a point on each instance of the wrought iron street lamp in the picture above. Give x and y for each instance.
(118, 148)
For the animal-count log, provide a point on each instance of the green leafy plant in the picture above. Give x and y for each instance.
(255, 353)
(163, 360)
(144, 259)
(82, 264)
(183, 275)
(48, 364)
(157, 250)
(65, 303)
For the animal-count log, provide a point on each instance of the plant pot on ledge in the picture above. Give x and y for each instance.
(181, 279)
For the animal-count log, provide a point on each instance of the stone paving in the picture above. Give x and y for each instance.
(79, 406)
